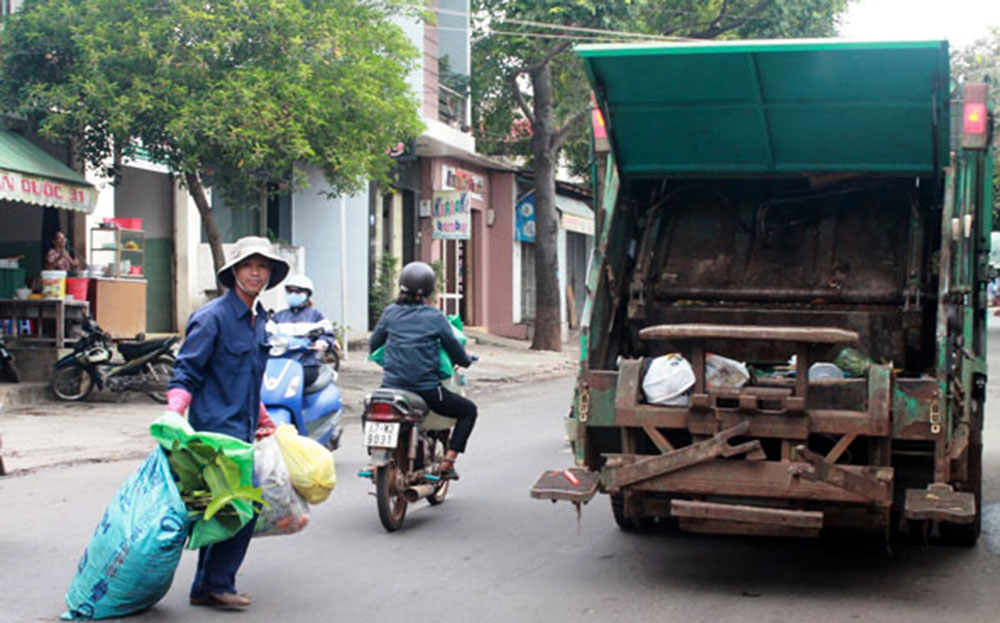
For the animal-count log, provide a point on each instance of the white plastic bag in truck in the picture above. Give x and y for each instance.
(668, 379)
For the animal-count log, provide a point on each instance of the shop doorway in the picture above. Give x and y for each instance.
(452, 299)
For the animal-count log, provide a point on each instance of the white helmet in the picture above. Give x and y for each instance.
(299, 281)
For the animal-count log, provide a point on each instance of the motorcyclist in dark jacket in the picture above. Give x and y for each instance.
(412, 330)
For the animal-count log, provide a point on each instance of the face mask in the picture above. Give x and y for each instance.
(296, 299)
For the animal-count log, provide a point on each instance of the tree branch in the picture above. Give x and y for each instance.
(554, 52)
(530, 69)
(716, 27)
(515, 90)
(560, 136)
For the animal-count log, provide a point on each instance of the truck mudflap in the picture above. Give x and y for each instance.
(575, 485)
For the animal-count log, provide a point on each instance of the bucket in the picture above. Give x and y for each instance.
(53, 284)
(77, 287)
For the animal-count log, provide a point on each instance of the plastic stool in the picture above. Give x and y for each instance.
(24, 327)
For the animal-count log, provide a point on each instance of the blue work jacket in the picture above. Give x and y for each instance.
(412, 335)
(221, 363)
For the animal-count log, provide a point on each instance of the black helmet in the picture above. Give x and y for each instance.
(417, 279)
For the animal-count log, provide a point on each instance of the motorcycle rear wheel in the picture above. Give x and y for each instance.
(159, 373)
(71, 383)
(389, 495)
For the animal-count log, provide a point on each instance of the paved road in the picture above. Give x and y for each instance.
(492, 554)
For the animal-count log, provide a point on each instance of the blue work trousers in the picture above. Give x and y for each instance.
(218, 563)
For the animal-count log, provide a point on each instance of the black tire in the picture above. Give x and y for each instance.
(158, 373)
(441, 489)
(626, 523)
(71, 383)
(966, 534)
(389, 496)
(10, 373)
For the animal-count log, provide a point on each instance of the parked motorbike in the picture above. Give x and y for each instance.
(316, 410)
(406, 442)
(145, 365)
(8, 370)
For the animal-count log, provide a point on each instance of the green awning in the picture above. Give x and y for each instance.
(30, 175)
(773, 106)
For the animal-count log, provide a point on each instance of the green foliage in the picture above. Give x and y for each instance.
(209, 481)
(244, 91)
(502, 129)
(385, 288)
(980, 62)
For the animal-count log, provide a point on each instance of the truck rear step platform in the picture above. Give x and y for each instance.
(941, 503)
(574, 484)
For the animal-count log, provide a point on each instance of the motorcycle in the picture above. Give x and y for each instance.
(406, 442)
(7, 368)
(316, 410)
(146, 366)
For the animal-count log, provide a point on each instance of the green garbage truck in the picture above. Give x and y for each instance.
(785, 323)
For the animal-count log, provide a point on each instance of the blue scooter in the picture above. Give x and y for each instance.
(316, 411)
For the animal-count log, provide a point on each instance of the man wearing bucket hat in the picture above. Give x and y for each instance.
(218, 374)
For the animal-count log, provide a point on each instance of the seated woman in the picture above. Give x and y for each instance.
(58, 257)
(413, 331)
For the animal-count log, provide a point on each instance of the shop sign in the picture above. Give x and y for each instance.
(578, 224)
(453, 178)
(42, 191)
(524, 222)
(450, 215)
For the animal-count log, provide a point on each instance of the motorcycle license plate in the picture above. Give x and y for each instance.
(381, 434)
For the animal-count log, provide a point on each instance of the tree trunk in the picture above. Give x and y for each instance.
(548, 332)
(197, 191)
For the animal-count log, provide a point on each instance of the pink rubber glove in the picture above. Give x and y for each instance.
(178, 400)
(265, 425)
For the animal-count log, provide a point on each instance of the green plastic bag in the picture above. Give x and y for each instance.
(446, 369)
(171, 427)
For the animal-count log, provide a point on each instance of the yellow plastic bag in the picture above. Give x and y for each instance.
(309, 464)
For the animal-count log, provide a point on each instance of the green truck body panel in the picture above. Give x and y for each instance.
(759, 198)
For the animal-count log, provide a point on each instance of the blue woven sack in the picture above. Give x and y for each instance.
(130, 561)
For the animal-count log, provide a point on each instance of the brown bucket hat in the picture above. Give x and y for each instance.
(246, 247)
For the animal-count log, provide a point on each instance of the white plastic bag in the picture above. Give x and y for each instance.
(287, 512)
(723, 372)
(667, 380)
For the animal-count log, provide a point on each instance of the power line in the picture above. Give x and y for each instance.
(571, 28)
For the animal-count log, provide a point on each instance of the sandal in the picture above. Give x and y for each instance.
(449, 473)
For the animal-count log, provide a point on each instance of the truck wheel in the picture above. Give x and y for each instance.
(626, 523)
(966, 534)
